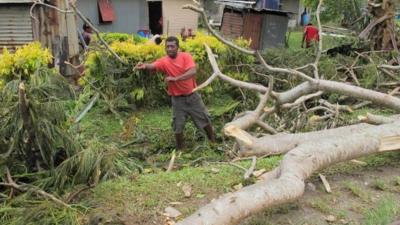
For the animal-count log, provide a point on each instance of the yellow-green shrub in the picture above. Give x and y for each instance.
(113, 37)
(24, 62)
(112, 77)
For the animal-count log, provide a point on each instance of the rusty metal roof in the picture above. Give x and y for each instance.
(15, 26)
(260, 10)
(16, 1)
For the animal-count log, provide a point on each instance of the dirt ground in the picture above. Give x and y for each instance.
(354, 199)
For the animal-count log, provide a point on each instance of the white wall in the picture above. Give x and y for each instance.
(175, 18)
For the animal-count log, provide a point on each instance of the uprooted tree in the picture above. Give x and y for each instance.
(381, 31)
(305, 153)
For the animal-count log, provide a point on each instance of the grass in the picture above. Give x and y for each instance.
(379, 184)
(295, 38)
(397, 181)
(147, 194)
(321, 205)
(153, 192)
(358, 191)
(384, 212)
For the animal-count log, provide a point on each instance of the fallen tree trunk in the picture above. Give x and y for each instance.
(286, 183)
(305, 152)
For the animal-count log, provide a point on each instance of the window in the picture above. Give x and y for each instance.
(106, 11)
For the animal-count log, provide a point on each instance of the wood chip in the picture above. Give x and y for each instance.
(169, 221)
(187, 190)
(172, 212)
(330, 218)
(214, 170)
(238, 187)
(325, 182)
(171, 162)
(390, 143)
(176, 203)
(258, 173)
(358, 162)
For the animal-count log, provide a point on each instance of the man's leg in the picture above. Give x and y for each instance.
(210, 132)
(200, 116)
(179, 141)
(178, 121)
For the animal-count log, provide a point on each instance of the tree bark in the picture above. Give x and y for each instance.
(287, 182)
(306, 153)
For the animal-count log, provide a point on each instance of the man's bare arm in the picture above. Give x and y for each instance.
(145, 66)
(188, 74)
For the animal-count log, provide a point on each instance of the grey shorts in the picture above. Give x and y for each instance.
(185, 106)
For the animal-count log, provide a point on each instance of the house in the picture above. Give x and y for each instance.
(54, 30)
(295, 7)
(265, 28)
(130, 16)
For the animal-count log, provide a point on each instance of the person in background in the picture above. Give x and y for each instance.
(180, 71)
(191, 34)
(87, 33)
(156, 39)
(310, 35)
(184, 34)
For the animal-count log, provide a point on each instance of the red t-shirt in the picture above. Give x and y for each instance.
(174, 68)
(311, 33)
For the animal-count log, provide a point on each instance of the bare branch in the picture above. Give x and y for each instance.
(337, 106)
(390, 67)
(315, 65)
(241, 84)
(250, 171)
(266, 127)
(207, 82)
(302, 99)
(11, 183)
(282, 70)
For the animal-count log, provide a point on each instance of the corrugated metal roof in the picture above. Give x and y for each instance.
(15, 26)
(237, 4)
(270, 11)
(16, 1)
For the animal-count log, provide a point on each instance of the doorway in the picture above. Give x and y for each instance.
(155, 17)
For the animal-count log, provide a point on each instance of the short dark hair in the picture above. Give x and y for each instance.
(172, 38)
(85, 26)
(158, 40)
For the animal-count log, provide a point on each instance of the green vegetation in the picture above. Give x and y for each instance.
(358, 191)
(118, 153)
(384, 212)
(321, 205)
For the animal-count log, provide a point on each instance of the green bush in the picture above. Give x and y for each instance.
(113, 37)
(123, 85)
(23, 63)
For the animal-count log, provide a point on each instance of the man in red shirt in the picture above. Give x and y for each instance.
(310, 34)
(180, 71)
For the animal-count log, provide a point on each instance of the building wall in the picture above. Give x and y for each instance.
(175, 18)
(131, 15)
(295, 7)
(232, 24)
(274, 31)
(252, 28)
